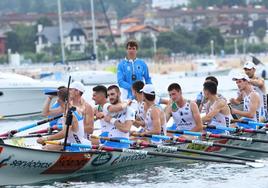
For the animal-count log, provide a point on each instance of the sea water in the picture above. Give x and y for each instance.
(192, 175)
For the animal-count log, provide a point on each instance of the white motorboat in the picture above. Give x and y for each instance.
(21, 95)
(86, 77)
(207, 67)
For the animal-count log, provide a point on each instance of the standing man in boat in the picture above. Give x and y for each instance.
(119, 115)
(154, 115)
(250, 97)
(218, 110)
(259, 86)
(131, 69)
(76, 91)
(185, 113)
(76, 129)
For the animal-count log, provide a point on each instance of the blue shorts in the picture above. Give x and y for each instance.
(173, 128)
(103, 134)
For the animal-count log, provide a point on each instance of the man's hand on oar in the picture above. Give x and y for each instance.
(12, 132)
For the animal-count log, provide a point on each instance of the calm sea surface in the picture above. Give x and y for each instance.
(201, 175)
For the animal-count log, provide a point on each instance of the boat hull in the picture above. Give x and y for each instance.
(20, 165)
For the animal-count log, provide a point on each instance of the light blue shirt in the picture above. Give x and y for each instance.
(126, 69)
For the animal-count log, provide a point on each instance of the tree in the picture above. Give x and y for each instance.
(12, 41)
(146, 42)
(45, 21)
(260, 33)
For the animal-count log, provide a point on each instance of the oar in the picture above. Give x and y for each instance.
(173, 148)
(207, 134)
(12, 132)
(47, 130)
(205, 143)
(249, 122)
(27, 136)
(159, 154)
(237, 129)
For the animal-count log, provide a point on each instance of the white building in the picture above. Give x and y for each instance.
(167, 4)
(74, 38)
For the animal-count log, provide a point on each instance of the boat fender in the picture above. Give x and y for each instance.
(1, 93)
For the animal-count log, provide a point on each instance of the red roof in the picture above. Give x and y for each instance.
(129, 20)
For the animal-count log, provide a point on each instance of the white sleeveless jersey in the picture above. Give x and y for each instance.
(183, 117)
(220, 119)
(78, 136)
(263, 101)
(246, 100)
(105, 126)
(149, 122)
(122, 116)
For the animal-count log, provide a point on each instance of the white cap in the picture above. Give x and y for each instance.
(148, 89)
(249, 65)
(78, 85)
(240, 77)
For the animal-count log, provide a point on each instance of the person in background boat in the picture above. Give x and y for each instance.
(54, 110)
(154, 115)
(185, 113)
(119, 115)
(100, 98)
(55, 124)
(76, 91)
(130, 70)
(250, 97)
(201, 100)
(76, 129)
(259, 86)
(139, 105)
(218, 110)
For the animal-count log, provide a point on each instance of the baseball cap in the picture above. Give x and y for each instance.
(249, 65)
(148, 89)
(78, 85)
(240, 77)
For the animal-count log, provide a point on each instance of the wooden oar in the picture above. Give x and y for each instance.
(173, 148)
(237, 129)
(205, 143)
(207, 134)
(12, 132)
(159, 154)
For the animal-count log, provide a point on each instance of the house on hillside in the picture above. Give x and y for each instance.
(74, 37)
(138, 31)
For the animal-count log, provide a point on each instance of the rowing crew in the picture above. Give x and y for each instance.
(117, 117)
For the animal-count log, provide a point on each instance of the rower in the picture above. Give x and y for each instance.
(100, 98)
(119, 115)
(185, 113)
(76, 91)
(154, 119)
(218, 113)
(76, 129)
(251, 108)
(259, 86)
(139, 105)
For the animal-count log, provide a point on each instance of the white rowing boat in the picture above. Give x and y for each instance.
(21, 165)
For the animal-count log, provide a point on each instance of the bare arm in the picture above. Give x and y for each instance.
(258, 82)
(254, 103)
(197, 117)
(89, 119)
(47, 111)
(168, 112)
(217, 107)
(124, 127)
